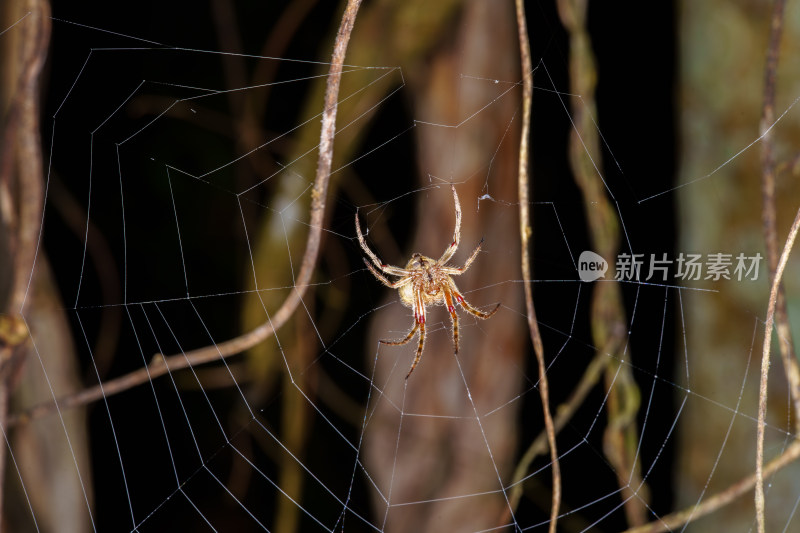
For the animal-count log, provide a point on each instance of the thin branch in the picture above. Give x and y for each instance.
(762, 392)
(769, 170)
(777, 297)
(525, 235)
(721, 499)
(673, 521)
(776, 317)
(160, 365)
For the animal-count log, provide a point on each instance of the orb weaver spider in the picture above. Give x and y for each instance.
(425, 281)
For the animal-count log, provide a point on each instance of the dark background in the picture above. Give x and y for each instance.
(634, 48)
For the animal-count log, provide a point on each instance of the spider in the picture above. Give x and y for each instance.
(425, 281)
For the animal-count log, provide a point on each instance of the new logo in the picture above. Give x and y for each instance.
(591, 266)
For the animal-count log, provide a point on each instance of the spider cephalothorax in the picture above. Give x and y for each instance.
(425, 281)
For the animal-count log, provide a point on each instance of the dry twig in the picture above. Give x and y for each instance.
(673, 521)
(777, 301)
(525, 235)
(762, 392)
(769, 170)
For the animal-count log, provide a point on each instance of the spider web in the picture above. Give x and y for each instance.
(173, 223)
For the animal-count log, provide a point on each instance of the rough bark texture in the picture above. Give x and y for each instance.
(440, 457)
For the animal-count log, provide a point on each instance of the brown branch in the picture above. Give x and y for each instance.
(762, 392)
(607, 308)
(22, 146)
(525, 235)
(769, 171)
(160, 365)
(673, 521)
(777, 300)
(21, 187)
(776, 317)
(721, 499)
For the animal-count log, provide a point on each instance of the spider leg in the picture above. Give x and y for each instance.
(408, 337)
(419, 314)
(419, 309)
(364, 246)
(395, 271)
(419, 348)
(466, 305)
(448, 254)
(448, 298)
(455, 271)
(419, 325)
(393, 285)
(419, 320)
(389, 269)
